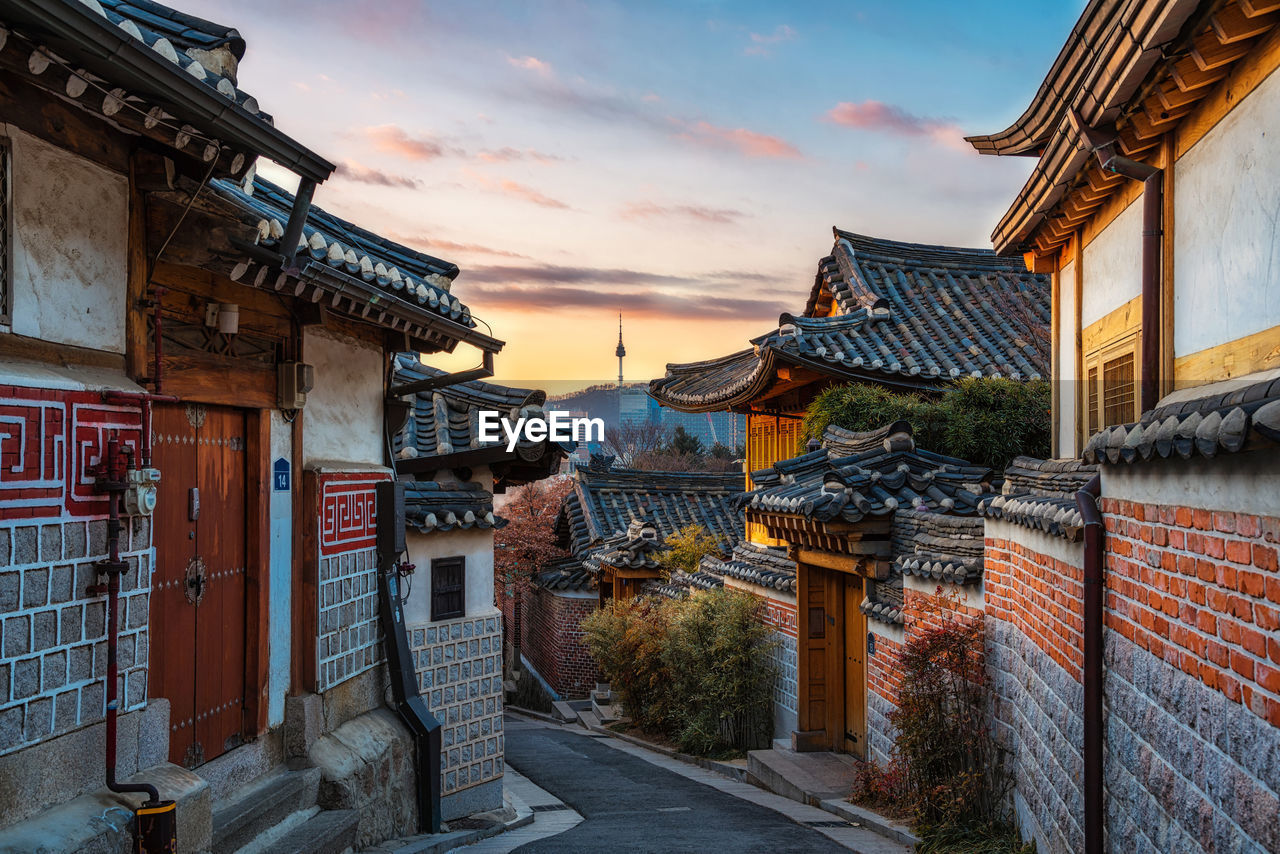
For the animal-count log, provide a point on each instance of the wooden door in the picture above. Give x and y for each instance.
(855, 675)
(820, 665)
(198, 601)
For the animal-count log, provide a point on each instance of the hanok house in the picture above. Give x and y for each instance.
(453, 626)
(903, 316)
(875, 526)
(613, 524)
(213, 329)
(1142, 697)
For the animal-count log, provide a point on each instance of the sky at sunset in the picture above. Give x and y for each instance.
(680, 162)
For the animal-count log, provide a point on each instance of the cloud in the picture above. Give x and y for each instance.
(350, 170)
(432, 245)
(531, 63)
(887, 118)
(507, 154)
(649, 210)
(651, 97)
(393, 139)
(515, 190)
(652, 303)
(760, 43)
(747, 142)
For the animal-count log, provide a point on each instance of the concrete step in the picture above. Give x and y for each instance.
(263, 805)
(588, 719)
(327, 832)
(809, 778)
(564, 711)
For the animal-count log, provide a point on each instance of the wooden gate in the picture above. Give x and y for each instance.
(855, 672)
(198, 594)
(832, 666)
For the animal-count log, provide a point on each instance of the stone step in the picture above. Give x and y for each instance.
(588, 719)
(327, 832)
(564, 711)
(809, 778)
(261, 806)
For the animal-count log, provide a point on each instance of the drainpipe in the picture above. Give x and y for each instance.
(1094, 590)
(1103, 144)
(155, 821)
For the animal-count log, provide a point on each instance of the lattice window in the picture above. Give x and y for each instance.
(448, 587)
(1093, 401)
(6, 234)
(1118, 390)
(1111, 386)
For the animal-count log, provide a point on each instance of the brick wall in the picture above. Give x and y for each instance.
(1033, 588)
(52, 635)
(884, 679)
(348, 640)
(459, 667)
(555, 643)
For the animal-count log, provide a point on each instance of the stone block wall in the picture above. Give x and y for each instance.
(884, 679)
(349, 639)
(459, 667)
(53, 651)
(555, 643)
(1033, 589)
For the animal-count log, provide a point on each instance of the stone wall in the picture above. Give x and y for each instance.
(1033, 592)
(555, 643)
(884, 679)
(459, 667)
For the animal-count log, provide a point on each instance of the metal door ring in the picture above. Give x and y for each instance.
(195, 581)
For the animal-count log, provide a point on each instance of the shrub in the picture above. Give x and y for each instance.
(686, 548)
(987, 420)
(699, 670)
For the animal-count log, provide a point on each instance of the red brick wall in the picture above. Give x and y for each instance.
(1200, 590)
(1039, 595)
(884, 671)
(554, 642)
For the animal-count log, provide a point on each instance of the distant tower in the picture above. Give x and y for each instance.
(621, 351)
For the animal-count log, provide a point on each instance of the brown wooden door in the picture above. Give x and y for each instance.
(198, 599)
(820, 701)
(855, 677)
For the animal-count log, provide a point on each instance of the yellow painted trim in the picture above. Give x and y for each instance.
(1246, 75)
(1125, 320)
(1257, 352)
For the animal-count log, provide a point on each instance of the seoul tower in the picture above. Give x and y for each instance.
(621, 351)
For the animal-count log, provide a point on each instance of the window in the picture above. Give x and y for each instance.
(1111, 386)
(1117, 389)
(448, 575)
(6, 232)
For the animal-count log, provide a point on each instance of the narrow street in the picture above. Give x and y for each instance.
(630, 802)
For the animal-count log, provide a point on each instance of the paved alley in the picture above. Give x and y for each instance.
(631, 799)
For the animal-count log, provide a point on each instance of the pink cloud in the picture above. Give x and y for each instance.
(761, 43)
(651, 97)
(507, 154)
(747, 142)
(393, 139)
(433, 245)
(350, 170)
(515, 190)
(531, 63)
(886, 118)
(649, 210)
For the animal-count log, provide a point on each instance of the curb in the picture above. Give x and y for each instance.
(530, 713)
(872, 821)
(734, 772)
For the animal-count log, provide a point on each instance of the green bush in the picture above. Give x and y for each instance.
(987, 420)
(698, 670)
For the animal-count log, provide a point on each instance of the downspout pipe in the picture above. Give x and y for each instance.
(1103, 144)
(1094, 591)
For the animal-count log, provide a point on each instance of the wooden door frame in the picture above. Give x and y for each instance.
(827, 734)
(257, 583)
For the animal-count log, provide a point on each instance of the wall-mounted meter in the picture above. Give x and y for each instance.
(143, 490)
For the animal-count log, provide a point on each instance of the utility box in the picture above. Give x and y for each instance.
(293, 381)
(390, 496)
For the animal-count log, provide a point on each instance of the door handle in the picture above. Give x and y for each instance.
(193, 503)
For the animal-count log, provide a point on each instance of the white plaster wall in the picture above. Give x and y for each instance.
(1067, 415)
(280, 585)
(1227, 227)
(1037, 541)
(895, 632)
(1112, 273)
(476, 545)
(343, 421)
(971, 595)
(1241, 483)
(70, 247)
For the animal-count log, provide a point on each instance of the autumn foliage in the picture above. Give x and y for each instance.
(526, 544)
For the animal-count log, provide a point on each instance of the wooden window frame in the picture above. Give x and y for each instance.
(439, 609)
(1093, 413)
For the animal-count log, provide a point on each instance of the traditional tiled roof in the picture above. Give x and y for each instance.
(758, 564)
(1040, 494)
(604, 503)
(637, 548)
(431, 506)
(443, 425)
(891, 613)
(347, 266)
(567, 575)
(937, 546)
(826, 485)
(910, 315)
(1222, 417)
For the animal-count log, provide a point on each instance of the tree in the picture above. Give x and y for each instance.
(686, 548)
(636, 439)
(684, 442)
(525, 545)
(721, 451)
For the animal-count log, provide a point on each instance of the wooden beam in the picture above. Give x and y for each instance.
(1231, 24)
(1037, 263)
(1243, 79)
(1188, 75)
(306, 518)
(1168, 154)
(1209, 53)
(257, 582)
(1257, 352)
(211, 379)
(135, 319)
(1253, 8)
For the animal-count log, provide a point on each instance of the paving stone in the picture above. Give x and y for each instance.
(35, 588)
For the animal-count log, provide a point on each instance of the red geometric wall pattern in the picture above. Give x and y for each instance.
(49, 440)
(348, 518)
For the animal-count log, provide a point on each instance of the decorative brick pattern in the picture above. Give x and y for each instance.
(459, 666)
(555, 643)
(53, 651)
(349, 639)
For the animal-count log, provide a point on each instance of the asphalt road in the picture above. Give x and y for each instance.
(629, 804)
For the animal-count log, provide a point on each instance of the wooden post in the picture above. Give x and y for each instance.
(135, 318)
(257, 582)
